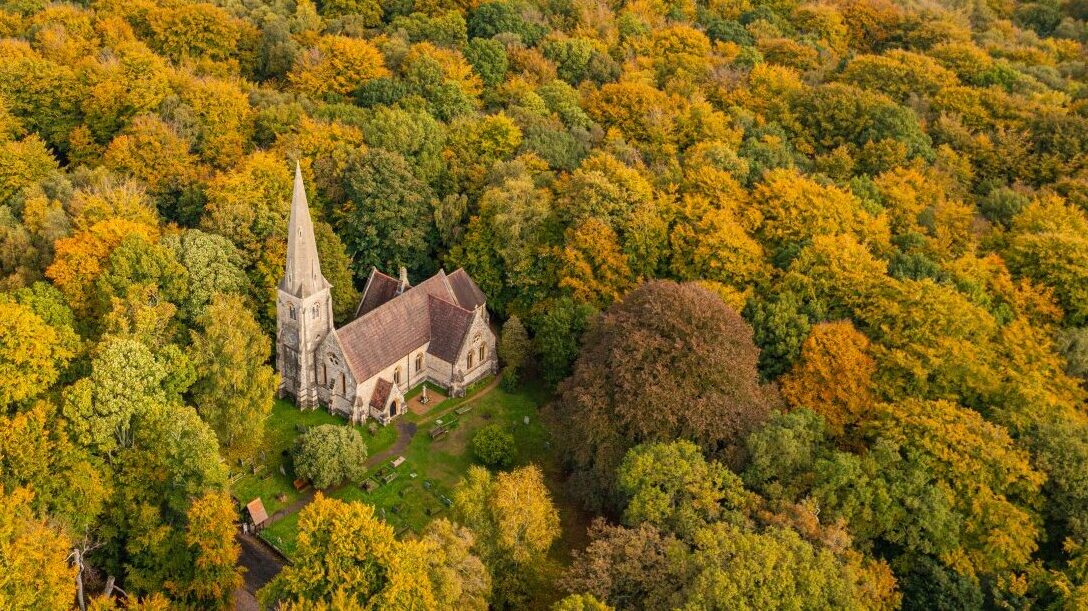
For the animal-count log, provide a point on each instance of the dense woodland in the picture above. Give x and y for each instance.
(809, 279)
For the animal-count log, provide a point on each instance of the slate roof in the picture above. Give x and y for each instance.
(387, 332)
(449, 325)
(381, 393)
(379, 289)
(469, 296)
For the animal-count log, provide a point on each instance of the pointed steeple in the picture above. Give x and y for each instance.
(302, 276)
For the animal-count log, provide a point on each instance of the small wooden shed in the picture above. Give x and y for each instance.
(257, 512)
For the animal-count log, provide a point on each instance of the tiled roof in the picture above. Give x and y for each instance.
(379, 289)
(449, 325)
(381, 393)
(257, 512)
(468, 294)
(391, 330)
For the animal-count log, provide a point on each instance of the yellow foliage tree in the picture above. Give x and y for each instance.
(32, 354)
(594, 269)
(834, 376)
(34, 569)
(78, 261)
(337, 65)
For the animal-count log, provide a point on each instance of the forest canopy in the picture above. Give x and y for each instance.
(824, 261)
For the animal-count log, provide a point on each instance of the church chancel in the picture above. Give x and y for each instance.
(402, 335)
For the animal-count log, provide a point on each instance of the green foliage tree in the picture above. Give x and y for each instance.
(514, 350)
(329, 455)
(672, 487)
(214, 266)
(234, 386)
(494, 446)
(389, 212)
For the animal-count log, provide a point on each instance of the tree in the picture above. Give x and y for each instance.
(330, 454)
(336, 267)
(25, 162)
(173, 459)
(734, 569)
(125, 378)
(1048, 244)
(32, 354)
(389, 213)
(796, 209)
(514, 349)
(347, 558)
(671, 361)
(337, 65)
(213, 553)
(672, 487)
(580, 602)
(630, 568)
(515, 525)
(494, 446)
(36, 453)
(460, 579)
(78, 260)
(833, 376)
(34, 569)
(557, 327)
(234, 387)
(214, 266)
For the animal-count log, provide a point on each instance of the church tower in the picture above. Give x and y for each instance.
(304, 306)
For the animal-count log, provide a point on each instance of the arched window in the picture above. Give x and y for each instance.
(317, 311)
(343, 383)
(396, 376)
(483, 352)
(324, 373)
(291, 311)
(470, 360)
(419, 363)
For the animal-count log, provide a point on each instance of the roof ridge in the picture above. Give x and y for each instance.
(395, 298)
(448, 302)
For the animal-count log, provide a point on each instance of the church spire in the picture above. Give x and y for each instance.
(302, 276)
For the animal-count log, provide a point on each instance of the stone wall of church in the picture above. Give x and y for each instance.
(409, 377)
(479, 335)
(336, 386)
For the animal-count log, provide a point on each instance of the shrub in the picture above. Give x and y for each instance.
(494, 446)
(330, 454)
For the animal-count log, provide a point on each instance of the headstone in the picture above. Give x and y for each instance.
(526, 421)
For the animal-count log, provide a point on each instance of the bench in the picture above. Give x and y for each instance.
(461, 411)
(438, 432)
(390, 477)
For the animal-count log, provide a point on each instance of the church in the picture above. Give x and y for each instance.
(402, 335)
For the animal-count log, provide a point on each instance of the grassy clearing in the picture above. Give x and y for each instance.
(408, 503)
(275, 488)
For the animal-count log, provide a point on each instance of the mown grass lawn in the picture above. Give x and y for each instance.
(275, 489)
(409, 504)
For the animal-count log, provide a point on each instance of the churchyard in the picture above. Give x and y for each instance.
(270, 477)
(419, 488)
